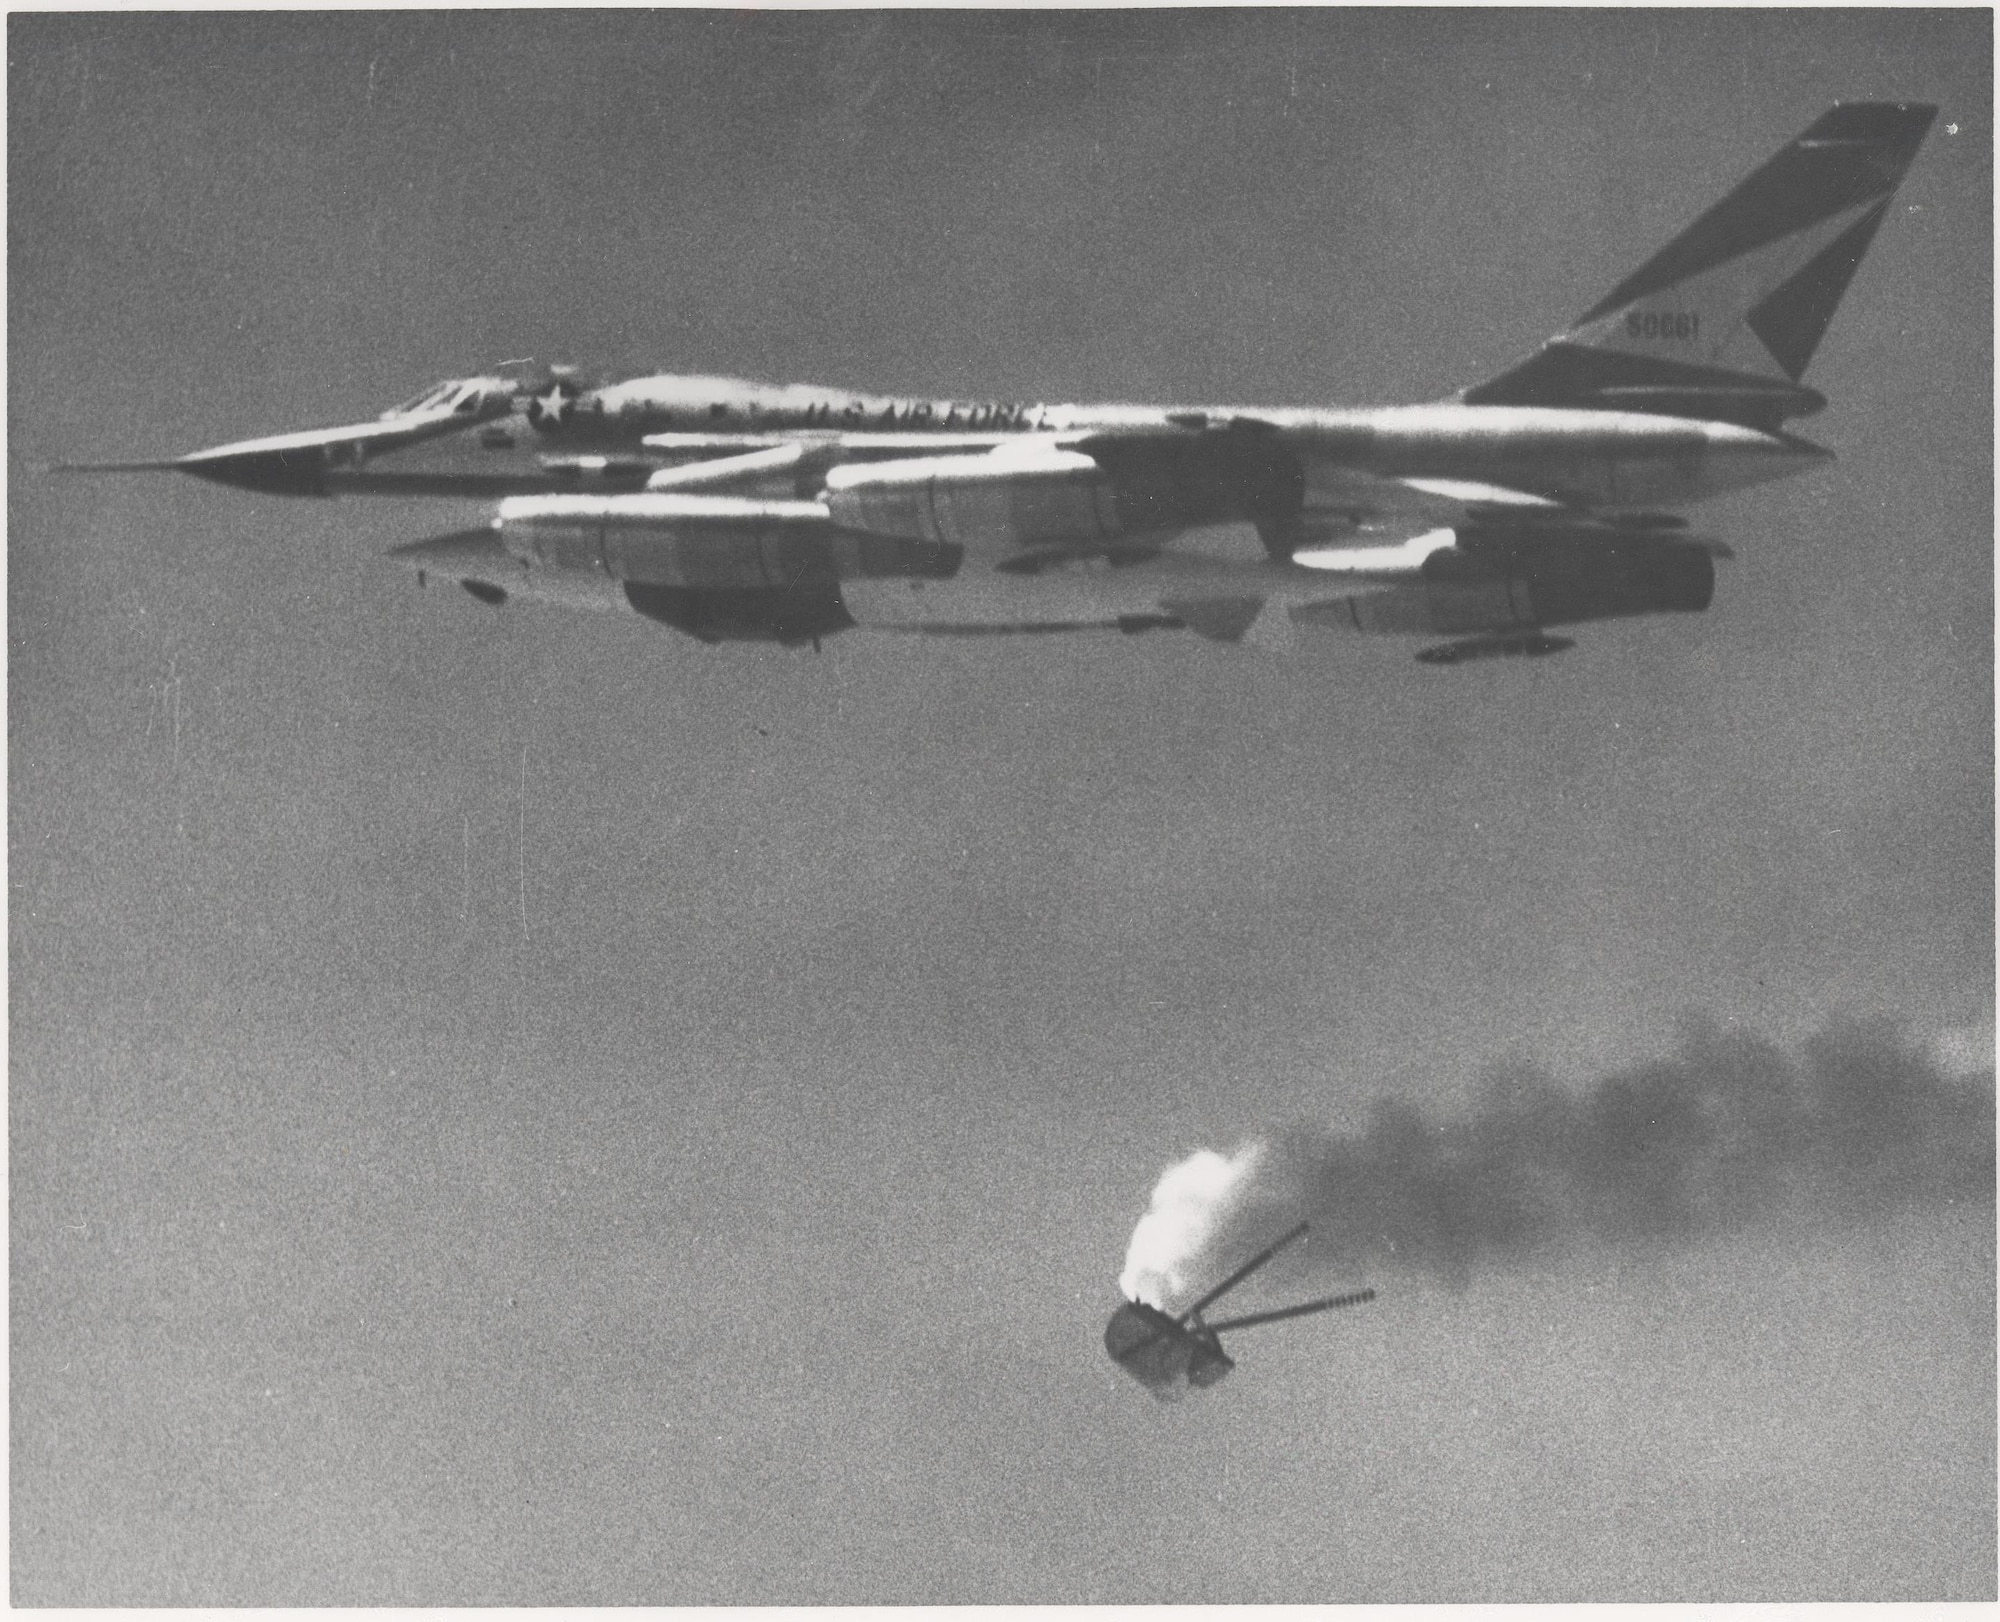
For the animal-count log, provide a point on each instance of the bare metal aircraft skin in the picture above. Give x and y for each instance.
(1547, 496)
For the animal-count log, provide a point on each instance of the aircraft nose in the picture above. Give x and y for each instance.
(297, 470)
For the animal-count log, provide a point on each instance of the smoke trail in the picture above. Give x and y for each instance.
(1730, 1132)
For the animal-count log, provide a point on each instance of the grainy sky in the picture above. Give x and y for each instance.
(519, 1107)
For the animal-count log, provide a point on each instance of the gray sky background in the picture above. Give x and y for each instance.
(716, 1194)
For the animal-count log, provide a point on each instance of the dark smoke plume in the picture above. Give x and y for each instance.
(1863, 1123)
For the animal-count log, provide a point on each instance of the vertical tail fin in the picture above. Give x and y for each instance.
(1722, 322)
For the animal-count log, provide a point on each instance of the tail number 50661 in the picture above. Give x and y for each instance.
(1680, 325)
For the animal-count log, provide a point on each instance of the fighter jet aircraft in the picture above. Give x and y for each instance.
(1169, 1354)
(1549, 495)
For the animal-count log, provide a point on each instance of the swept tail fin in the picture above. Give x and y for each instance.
(1722, 322)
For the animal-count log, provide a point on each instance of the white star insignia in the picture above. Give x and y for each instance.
(554, 403)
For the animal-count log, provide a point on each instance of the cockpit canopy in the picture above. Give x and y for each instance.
(462, 396)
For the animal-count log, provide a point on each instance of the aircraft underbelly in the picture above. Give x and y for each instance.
(989, 602)
(1427, 609)
(1086, 592)
(997, 600)
(568, 588)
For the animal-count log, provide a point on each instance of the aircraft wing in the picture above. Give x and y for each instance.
(1331, 499)
(718, 473)
(721, 460)
(1364, 524)
(1350, 520)
(621, 469)
(1383, 527)
(1433, 501)
(1363, 501)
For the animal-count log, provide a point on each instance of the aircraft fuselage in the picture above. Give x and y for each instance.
(596, 440)
(1549, 494)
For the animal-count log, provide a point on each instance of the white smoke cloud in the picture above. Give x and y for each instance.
(1193, 1204)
